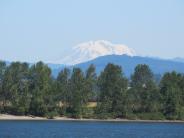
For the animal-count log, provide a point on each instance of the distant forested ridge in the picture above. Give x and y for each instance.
(31, 90)
(158, 66)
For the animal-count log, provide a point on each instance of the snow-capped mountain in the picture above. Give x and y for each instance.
(90, 50)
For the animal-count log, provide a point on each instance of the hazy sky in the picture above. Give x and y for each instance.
(32, 30)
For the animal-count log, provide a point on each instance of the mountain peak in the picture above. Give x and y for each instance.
(90, 50)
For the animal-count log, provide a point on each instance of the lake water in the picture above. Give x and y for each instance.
(69, 129)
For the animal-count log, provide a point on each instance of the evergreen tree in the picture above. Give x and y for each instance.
(2, 94)
(16, 87)
(171, 92)
(63, 91)
(113, 86)
(78, 97)
(41, 89)
(144, 93)
(181, 85)
(90, 83)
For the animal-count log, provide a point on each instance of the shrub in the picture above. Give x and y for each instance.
(151, 116)
(51, 115)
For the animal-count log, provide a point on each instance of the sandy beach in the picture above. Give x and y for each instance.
(13, 117)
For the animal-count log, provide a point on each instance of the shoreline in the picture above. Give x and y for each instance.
(6, 117)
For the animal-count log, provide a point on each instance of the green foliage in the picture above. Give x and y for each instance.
(79, 96)
(63, 91)
(142, 76)
(143, 95)
(150, 116)
(131, 116)
(51, 115)
(112, 86)
(31, 90)
(181, 113)
(40, 79)
(172, 95)
(90, 83)
(16, 88)
(88, 113)
(2, 94)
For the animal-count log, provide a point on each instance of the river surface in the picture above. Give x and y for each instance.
(77, 129)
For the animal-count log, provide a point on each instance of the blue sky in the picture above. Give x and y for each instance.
(33, 30)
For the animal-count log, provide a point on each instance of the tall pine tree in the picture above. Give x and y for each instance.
(112, 86)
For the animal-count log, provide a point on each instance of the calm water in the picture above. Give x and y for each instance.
(63, 129)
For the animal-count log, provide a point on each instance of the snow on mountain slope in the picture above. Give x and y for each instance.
(93, 49)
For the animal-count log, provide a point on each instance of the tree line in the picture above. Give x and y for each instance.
(31, 90)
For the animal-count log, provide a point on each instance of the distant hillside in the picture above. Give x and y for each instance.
(179, 59)
(128, 64)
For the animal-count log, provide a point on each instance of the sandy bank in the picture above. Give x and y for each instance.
(13, 117)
